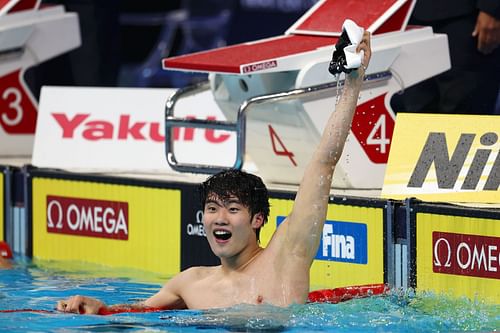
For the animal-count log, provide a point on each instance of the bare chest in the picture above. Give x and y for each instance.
(241, 288)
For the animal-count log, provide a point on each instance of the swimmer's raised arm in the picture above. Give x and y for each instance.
(305, 222)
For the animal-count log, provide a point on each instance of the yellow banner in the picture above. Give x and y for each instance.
(458, 256)
(114, 225)
(2, 208)
(338, 264)
(452, 158)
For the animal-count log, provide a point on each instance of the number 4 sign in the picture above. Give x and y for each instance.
(278, 146)
(372, 126)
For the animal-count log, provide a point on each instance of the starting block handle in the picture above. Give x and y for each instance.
(171, 122)
(239, 127)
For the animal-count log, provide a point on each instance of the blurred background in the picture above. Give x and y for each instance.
(123, 41)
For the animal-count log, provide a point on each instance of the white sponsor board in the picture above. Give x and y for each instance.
(122, 130)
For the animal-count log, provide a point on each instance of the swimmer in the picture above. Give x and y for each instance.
(4, 263)
(235, 208)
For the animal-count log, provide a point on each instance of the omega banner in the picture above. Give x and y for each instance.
(458, 255)
(118, 225)
(450, 158)
(351, 249)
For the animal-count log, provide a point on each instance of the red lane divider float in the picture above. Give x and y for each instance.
(346, 293)
(5, 250)
(318, 296)
(26, 310)
(105, 311)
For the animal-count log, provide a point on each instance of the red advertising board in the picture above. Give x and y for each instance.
(87, 217)
(463, 254)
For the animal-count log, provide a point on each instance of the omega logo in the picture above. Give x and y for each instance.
(197, 229)
(87, 217)
(463, 254)
(436, 256)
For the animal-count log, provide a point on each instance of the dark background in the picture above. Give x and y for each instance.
(123, 42)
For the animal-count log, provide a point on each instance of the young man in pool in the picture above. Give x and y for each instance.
(235, 208)
(4, 263)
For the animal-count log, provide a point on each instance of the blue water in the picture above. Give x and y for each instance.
(38, 285)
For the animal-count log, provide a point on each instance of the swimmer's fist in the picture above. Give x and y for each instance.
(364, 45)
(80, 304)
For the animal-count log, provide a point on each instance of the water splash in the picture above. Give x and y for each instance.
(339, 90)
(399, 311)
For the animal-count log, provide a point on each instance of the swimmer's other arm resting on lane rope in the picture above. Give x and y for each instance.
(88, 305)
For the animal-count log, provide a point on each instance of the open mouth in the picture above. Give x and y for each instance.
(222, 235)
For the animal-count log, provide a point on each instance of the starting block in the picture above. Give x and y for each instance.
(277, 93)
(29, 34)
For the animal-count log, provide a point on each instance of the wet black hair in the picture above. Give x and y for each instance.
(249, 189)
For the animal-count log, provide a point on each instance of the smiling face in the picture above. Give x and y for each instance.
(236, 184)
(230, 227)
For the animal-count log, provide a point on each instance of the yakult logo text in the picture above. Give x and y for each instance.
(124, 128)
(86, 217)
(469, 255)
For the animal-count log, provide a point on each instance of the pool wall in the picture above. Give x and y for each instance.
(157, 226)
(455, 250)
(117, 223)
(7, 204)
(3, 188)
(352, 249)
(161, 227)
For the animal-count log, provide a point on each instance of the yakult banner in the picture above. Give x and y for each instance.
(458, 251)
(452, 158)
(122, 129)
(113, 222)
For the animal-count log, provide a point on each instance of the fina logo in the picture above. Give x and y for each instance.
(342, 241)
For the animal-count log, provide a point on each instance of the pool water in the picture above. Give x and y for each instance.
(38, 285)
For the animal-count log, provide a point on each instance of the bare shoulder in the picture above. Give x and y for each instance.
(177, 292)
(194, 274)
(198, 272)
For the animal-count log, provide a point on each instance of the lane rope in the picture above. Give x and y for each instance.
(335, 295)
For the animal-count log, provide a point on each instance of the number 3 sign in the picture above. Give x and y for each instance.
(17, 110)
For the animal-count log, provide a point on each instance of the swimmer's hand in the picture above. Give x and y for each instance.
(4, 263)
(365, 47)
(80, 304)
